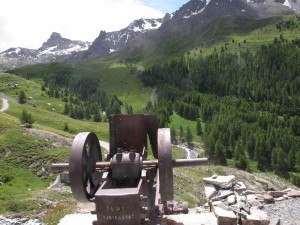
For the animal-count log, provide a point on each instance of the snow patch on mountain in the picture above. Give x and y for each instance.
(55, 49)
(287, 3)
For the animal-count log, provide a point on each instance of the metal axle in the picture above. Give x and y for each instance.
(59, 167)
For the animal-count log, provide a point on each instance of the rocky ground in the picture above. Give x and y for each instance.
(287, 211)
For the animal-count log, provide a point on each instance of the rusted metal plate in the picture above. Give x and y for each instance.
(119, 206)
(165, 168)
(85, 152)
(152, 126)
(129, 133)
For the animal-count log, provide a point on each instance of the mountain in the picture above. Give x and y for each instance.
(192, 17)
(201, 21)
(109, 42)
(206, 20)
(55, 49)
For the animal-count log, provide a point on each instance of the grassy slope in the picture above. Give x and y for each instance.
(22, 156)
(114, 78)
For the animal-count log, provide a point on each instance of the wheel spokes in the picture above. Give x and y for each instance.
(84, 154)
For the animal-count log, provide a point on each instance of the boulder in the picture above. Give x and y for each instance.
(231, 199)
(256, 217)
(225, 217)
(220, 181)
(210, 191)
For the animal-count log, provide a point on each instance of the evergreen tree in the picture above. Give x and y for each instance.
(26, 118)
(173, 136)
(181, 134)
(281, 164)
(22, 97)
(66, 109)
(219, 156)
(97, 116)
(72, 111)
(189, 136)
(291, 160)
(297, 164)
(87, 113)
(66, 127)
(198, 128)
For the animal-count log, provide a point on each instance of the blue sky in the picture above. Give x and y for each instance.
(166, 6)
(30, 23)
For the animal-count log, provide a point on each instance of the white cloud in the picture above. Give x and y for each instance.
(29, 23)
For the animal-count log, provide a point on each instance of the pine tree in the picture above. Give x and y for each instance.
(181, 134)
(26, 118)
(198, 128)
(281, 167)
(173, 136)
(219, 156)
(22, 97)
(189, 136)
(66, 109)
(97, 116)
(291, 160)
(87, 113)
(297, 164)
(66, 127)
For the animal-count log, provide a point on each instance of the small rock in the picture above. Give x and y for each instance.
(274, 222)
(250, 192)
(293, 193)
(268, 198)
(239, 187)
(256, 203)
(276, 194)
(279, 199)
(223, 194)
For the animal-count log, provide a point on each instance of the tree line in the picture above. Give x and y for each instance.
(82, 96)
(249, 101)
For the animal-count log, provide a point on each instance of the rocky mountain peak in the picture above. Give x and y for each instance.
(55, 35)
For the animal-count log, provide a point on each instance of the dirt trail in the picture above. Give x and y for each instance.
(152, 96)
(5, 105)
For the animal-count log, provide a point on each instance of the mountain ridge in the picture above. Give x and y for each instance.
(146, 35)
(55, 49)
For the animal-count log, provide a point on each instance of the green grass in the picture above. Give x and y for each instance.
(177, 121)
(21, 158)
(47, 119)
(251, 40)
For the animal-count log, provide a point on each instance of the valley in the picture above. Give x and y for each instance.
(225, 81)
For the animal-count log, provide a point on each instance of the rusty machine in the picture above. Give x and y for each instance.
(127, 188)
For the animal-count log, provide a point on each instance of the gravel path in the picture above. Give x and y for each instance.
(4, 105)
(287, 211)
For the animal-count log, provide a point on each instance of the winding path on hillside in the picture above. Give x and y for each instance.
(152, 96)
(5, 105)
(5, 100)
